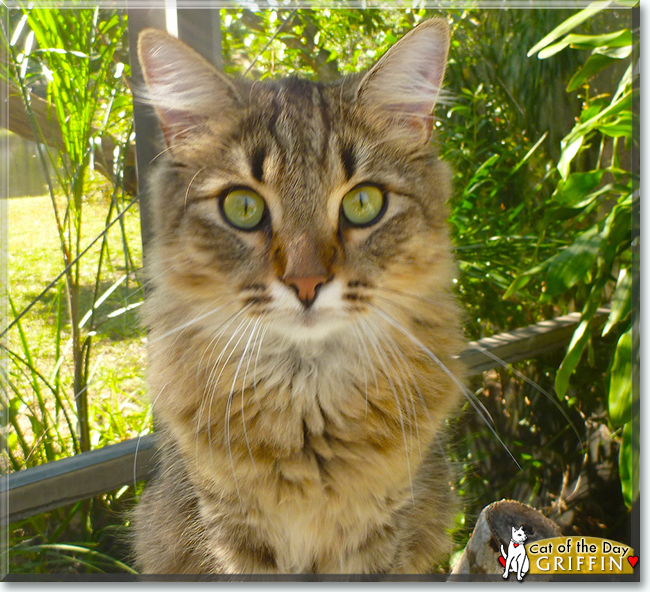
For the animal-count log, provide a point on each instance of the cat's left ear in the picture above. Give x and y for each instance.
(404, 84)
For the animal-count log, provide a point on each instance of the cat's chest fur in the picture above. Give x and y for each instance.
(308, 444)
(300, 414)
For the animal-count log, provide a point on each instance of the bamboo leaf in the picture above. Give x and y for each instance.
(569, 150)
(620, 382)
(575, 263)
(593, 65)
(568, 25)
(629, 463)
(621, 301)
(577, 187)
(617, 39)
(573, 355)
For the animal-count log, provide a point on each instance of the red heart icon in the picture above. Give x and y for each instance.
(502, 560)
(633, 560)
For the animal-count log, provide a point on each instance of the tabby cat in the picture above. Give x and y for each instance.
(302, 333)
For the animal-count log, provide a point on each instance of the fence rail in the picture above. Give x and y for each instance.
(85, 475)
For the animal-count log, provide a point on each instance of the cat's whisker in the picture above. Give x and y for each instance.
(213, 382)
(219, 331)
(144, 423)
(471, 397)
(409, 402)
(257, 356)
(406, 294)
(216, 300)
(387, 373)
(229, 403)
(532, 383)
(161, 153)
(208, 382)
(219, 367)
(187, 324)
(402, 368)
(189, 185)
(255, 333)
(492, 356)
(359, 334)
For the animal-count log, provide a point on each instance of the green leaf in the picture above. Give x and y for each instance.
(593, 65)
(593, 107)
(524, 278)
(622, 300)
(620, 38)
(574, 352)
(528, 154)
(569, 150)
(572, 142)
(574, 263)
(577, 187)
(617, 229)
(568, 25)
(629, 463)
(620, 382)
(616, 53)
(621, 127)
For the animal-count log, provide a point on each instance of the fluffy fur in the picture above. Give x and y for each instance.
(295, 438)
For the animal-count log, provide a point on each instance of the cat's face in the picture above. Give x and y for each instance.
(306, 205)
(518, 534)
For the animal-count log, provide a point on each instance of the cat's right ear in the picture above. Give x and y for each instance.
(184, 87)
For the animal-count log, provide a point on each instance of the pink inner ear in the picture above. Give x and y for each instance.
(414, 115)
(176, 124)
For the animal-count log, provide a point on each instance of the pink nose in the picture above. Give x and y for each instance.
(306, 287)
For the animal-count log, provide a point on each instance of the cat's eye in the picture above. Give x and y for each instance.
(243, 208)
(364, 205)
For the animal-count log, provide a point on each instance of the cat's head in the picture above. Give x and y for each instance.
(519, 535)
(308, 205)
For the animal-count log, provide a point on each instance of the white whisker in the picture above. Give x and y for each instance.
(380, 358)
(471, 397)
(229, 403)
(189, 323)
(532, 383)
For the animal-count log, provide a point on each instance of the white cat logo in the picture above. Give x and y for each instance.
(516, 559)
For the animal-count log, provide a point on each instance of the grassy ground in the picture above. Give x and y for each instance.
(116, 389)
(40, 355)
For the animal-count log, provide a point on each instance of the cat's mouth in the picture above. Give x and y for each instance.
(310, 324)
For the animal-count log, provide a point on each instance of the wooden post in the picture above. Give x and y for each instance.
(201, 29)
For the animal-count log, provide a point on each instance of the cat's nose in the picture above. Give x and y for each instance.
(306, 287)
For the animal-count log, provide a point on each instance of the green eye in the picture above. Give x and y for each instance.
(243, 208)
(364, 205)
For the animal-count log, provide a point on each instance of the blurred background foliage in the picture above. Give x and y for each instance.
(540, 124)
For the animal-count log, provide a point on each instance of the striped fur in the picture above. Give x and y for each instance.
(299, 440)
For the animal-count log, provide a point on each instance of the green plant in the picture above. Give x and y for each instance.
(596, 196)
(69, 68)
(71, 56)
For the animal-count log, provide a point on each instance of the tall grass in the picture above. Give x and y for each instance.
(74, 348)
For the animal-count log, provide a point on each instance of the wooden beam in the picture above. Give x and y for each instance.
(85, 475)
(524, 344)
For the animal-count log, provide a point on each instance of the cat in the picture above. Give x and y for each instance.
(302, 331)
(516, 560)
